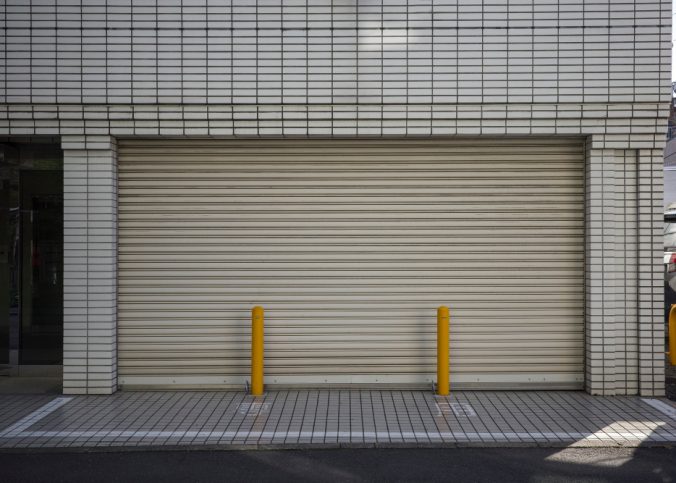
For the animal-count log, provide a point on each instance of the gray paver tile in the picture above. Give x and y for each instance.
(336, 416)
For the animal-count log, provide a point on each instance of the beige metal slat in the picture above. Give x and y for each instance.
(350, 245)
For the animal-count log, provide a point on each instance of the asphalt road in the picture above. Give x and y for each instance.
(347, 465)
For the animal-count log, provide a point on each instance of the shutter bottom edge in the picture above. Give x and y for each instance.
(501, 382)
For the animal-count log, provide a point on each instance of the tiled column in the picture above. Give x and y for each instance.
(626, 272)
(90, 265)
(599, 271)
(624, 336)
(651, 272)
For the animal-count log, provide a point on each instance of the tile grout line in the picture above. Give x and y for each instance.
(272, 406)
(281, 413)
(292, 418)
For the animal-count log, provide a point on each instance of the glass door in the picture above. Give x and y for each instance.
(41, 291)
(31, 255)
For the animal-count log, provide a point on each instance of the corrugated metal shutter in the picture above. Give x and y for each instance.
(350, 245)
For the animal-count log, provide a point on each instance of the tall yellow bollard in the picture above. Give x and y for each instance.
(443, 319)
(672, 336)
(257, 316)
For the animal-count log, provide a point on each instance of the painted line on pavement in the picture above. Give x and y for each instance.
(26, 422)
(661, 406)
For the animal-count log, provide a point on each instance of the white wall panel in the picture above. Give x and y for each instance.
(321, 52)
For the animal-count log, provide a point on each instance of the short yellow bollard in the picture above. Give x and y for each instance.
(672, 336)
(443, 319)
(257, 316)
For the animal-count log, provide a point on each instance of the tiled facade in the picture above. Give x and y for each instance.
(95, 71)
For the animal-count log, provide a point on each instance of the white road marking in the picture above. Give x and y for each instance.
(458, 409)
(661, 406)
(22, 424)
(253, 408)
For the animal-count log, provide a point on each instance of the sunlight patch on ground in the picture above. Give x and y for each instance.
(576, 456)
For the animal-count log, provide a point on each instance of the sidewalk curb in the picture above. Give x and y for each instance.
(332, 446)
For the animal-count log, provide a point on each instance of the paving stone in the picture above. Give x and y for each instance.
(319, 418)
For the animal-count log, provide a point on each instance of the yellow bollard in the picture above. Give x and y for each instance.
(672, 336)
(257, 316)
(443, 319)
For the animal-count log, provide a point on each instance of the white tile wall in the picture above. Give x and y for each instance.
(91, 71)
(90, 264)
(320, 52)
(651, 269)
(624, 284)
(625, 260)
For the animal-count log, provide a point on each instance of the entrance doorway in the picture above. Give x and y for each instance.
(31, 258)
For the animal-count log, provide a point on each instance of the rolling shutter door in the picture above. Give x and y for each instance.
(350, 245)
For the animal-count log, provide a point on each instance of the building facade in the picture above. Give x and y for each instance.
(348, 165)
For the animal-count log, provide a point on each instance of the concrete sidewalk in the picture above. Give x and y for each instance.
(334, 418)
